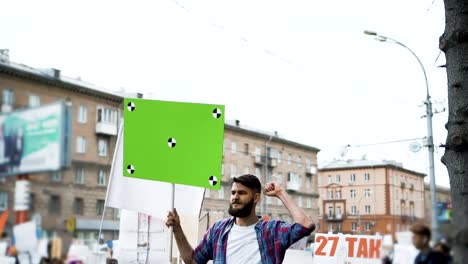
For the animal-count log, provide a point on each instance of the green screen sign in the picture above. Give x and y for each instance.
(173, 142)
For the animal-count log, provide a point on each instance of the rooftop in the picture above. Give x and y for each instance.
(54, 77)
(273, 136)
(349, 164)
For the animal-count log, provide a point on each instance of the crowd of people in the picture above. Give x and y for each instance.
(246, 238)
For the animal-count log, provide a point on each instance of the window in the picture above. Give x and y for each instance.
(289, 158)
(246, 148)
(233, 170)
(3, 201)
(116, 213)
(366, 176)
(54, 204)
(299, 201)
(258, 173)
(330, 227)
(308, 163)
(309, 203)
(80, 144)
(367, 209)
(299, 161)
(102, 147)
(367, 192)
(246, 169)
(221, 193)
(280, 156)
(82, 114)
(258, 152)
(352, 177)
(338, 178)
(353, 209)
(99, 207)
(56, 176)
(233, 147)
(79, 176)
(8, 97)
(308, 182)
(353, 194)
(411, 210)
(102, 178)
(353, 226)
(338, 210)
(330, 179)
(106, 115)
(78, 205)
(330, 211)
(34, 100)
(339, 228)
(368, 226)
(329, 194)
(338, 194)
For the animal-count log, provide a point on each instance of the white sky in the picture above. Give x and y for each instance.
(302, 68)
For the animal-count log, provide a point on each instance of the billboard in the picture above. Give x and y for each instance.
(444, 212)
(173, 142)
(35, 139)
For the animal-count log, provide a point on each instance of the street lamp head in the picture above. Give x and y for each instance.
(381, 38)
(370, 33)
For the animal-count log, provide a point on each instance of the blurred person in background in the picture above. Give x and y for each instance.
(427, 255)
(444, 249)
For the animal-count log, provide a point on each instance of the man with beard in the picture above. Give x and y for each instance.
(245, 237)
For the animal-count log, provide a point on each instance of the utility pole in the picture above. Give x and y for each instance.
(430, 143)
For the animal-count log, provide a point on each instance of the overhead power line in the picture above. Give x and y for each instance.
(239, 36)
(382, 143)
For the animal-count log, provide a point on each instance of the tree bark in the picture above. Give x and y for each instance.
(454, 43)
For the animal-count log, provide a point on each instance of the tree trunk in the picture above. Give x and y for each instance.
(454, 43)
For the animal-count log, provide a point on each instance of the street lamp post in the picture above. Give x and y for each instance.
(430, 144)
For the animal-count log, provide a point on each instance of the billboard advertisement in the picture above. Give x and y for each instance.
(35, 139)
(444, 212)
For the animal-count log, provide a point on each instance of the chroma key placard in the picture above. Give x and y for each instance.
(173, 142)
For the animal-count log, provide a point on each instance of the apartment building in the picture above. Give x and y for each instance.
(368, 197)
(269, 157)
(74, 195)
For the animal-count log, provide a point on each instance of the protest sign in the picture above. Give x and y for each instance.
(347, 249)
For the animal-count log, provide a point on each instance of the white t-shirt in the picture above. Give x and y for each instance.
(242, 245)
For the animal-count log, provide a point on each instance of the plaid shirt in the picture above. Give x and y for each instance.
(273, 236)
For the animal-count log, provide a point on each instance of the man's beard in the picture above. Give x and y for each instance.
(242, 212)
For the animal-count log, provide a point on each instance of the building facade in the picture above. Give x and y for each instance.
(73, 196)
(444, 210)
(368, 197)
(269, 157)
